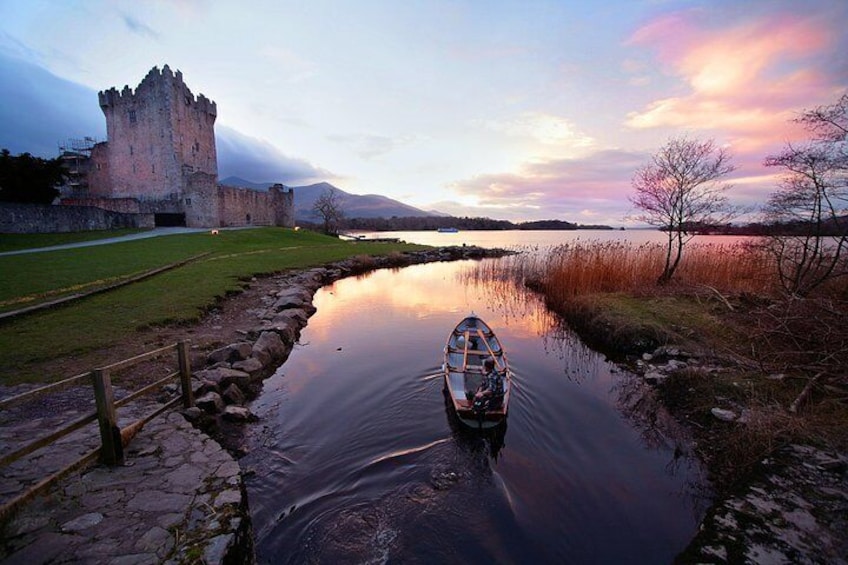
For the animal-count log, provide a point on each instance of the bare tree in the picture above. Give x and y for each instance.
(811, 203)
(680, 189)
(328, 206)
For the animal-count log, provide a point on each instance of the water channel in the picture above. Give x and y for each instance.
(357, 458)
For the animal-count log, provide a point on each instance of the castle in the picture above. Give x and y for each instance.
(160, 162)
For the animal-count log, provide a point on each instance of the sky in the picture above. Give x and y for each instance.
(516, 110)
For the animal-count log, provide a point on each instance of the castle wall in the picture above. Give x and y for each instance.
(244, 207)
(200, 201)
(99, 179)
(282, 201)
(122, 205)
(35, 218)
(157, 134)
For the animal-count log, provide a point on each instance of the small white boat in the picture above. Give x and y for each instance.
(470, 343)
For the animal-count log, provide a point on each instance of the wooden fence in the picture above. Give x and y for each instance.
(113, 439)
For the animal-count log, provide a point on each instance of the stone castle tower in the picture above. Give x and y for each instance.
(160, 159)
(157, 135)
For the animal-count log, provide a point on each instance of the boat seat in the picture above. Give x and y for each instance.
(457, 386)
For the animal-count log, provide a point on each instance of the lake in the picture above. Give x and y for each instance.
(357, 458)
(541, 238)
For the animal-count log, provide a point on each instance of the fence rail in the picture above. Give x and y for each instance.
(113, 438)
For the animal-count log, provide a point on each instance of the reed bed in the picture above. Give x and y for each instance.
(588, 267)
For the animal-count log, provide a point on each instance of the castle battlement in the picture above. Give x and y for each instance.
(156, 81)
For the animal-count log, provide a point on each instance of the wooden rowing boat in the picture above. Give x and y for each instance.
(470, 343)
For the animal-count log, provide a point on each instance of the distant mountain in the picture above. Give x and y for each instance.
(242, 183)
(354, 205)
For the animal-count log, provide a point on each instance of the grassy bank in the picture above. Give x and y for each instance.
(756, 350)
(16, 241)
(178, 296)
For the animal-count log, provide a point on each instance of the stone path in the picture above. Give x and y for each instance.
(178, 498)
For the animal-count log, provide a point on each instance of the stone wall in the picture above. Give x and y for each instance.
(201, 202)
(282, 200)
(244, 207)
(123, 205)
(35, 218)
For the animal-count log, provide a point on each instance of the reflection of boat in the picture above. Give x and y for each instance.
(447, 230)
(469, 344)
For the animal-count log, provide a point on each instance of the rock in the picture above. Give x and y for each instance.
(286, 327)
(647, 356)
(724, 415)
(217, 548)
(269, 346)
(238, 414)
(233, 395)
(293, 297)
(299, 315)
(192, 414)
(210, 403)
(655, 377)
(674, 365)
(250, 366)
(231, 353)
(224, 377)
(82, 522)
(667, 351)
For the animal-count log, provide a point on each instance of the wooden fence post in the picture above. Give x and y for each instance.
(112, 452)
(185, 374)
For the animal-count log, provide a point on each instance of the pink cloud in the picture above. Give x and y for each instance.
(745, 80)
(587, 190)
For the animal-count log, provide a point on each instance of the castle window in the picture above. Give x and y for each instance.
(132, 116)
(188, 201)
(131, 149)
(153, 169)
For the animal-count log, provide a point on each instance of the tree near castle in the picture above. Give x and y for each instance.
(812, 196)
(681, 189)
(328, 207)
(28, 179)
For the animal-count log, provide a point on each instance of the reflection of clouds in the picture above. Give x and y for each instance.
(409, 293)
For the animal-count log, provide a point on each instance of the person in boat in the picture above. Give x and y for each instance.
(492, 388)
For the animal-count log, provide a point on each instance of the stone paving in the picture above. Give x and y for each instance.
(178, 498)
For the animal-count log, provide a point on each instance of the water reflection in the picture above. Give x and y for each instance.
(357, 458)
(490, 440)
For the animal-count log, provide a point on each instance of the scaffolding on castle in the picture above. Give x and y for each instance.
(76, 157)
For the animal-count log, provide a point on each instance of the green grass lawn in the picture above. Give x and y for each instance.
(16, 241)
(178, 295)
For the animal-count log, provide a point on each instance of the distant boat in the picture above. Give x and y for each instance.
(469, 344)
(448, 230)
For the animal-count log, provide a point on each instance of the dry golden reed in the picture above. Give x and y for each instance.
(586, 267)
